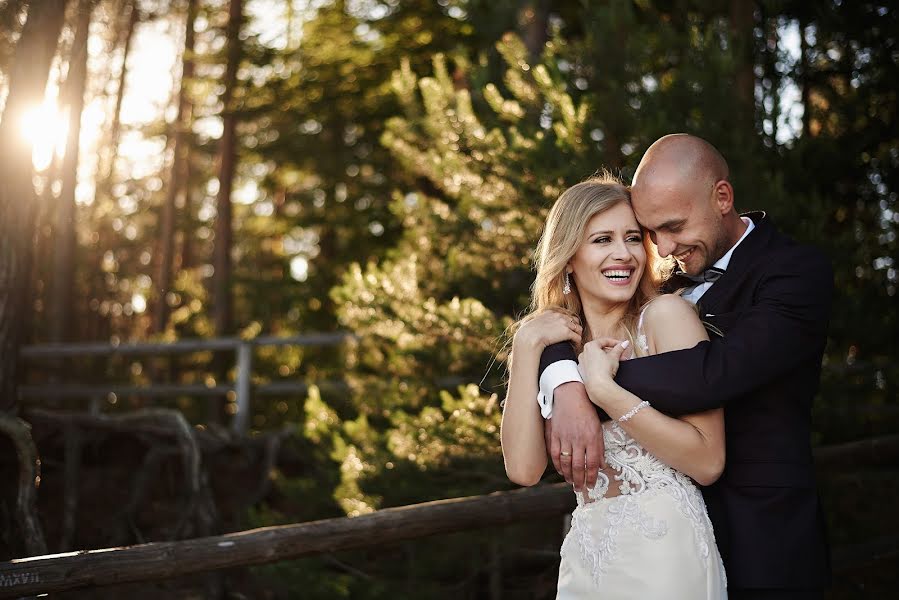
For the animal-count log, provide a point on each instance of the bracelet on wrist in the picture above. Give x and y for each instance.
(630, 414)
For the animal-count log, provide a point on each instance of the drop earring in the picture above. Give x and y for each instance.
(566, 287)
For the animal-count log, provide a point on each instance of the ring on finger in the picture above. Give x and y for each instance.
(565, 454)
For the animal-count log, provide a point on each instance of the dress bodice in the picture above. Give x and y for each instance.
(626, 497)
(632, 468)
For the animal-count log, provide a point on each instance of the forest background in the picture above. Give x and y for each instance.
(178, 169)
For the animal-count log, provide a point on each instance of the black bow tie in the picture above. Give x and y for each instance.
(710, 275)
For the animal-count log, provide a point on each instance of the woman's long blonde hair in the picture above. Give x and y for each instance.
(563, 235)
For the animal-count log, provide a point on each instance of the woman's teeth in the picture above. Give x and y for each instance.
(618, 275)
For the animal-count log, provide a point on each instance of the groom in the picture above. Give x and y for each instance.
(769, 298)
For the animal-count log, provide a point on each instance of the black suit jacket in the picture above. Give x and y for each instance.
(772, 306)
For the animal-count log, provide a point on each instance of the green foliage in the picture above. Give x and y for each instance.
(487, 162)
(396, 164)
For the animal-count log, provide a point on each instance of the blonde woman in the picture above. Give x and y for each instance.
(642, 531)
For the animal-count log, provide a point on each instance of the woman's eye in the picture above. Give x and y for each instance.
(603, 239)
(635, 238)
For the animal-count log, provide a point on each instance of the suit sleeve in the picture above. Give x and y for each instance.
(558, 365)
(555, 353)
(785, 328)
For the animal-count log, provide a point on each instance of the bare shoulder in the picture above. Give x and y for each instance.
(669, 306)
(672, 323)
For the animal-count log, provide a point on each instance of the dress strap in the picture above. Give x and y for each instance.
(641, 335)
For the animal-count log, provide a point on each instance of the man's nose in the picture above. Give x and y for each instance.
(665, 245)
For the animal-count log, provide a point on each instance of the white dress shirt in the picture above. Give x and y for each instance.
(566, 371)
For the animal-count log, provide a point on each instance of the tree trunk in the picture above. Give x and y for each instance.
(186, 258)
(63, 257)
(613, 158)
(178, 180)
(221, 259)
(222, 306)
(43, 252)
(28, 78)
(742, 23)
(532, 22)
(805, 82)
(291, 17)
(768, 59)
(109, 168)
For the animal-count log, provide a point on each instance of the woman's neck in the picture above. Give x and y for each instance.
(604, 320)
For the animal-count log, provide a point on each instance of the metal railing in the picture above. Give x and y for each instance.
(242, 386)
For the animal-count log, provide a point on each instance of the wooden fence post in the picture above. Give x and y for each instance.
(243, 386)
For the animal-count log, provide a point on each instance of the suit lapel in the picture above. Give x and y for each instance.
(740, 260)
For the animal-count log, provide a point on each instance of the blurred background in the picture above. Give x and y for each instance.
(190, 188)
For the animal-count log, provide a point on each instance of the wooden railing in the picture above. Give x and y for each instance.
(162, 560)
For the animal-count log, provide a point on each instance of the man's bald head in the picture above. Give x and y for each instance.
(682, 195)
(681, 157)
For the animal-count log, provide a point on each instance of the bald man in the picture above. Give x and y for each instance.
(767, 300)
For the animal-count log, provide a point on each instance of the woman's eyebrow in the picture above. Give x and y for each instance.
(609, 232)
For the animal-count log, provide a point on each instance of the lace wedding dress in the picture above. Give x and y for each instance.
(643, 534)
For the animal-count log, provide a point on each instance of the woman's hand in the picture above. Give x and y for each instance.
(547, 328)
(598, 363)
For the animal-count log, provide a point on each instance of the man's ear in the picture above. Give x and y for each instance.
(724, 196)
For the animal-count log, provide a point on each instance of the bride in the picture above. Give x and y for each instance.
(642, 531)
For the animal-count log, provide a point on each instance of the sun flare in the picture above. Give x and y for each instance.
(46, 129)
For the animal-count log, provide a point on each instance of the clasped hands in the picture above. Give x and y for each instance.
(573, 434)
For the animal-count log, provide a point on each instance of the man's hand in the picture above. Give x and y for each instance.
(575, 429)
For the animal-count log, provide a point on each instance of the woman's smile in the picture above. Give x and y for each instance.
(621, 276)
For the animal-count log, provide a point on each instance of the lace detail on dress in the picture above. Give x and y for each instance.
(599, 552)
(638, 474)
(642, 344)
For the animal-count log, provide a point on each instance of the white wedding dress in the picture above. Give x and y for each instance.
(648, 537)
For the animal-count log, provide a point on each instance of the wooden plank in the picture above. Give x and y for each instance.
(162, 560)
(853, 557)
(159, 390)
(169, 390)
(105, 349)
(42, 351)
(305, 340)
(883, 450)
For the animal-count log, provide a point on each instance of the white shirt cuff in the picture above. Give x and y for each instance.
(563, 371)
